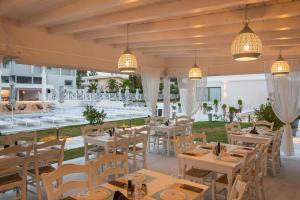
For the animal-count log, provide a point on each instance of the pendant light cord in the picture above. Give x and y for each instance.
(127, 46)
(246, 15)
(195, 57)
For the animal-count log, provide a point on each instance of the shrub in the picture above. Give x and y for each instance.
(93, 116)
(265, 112)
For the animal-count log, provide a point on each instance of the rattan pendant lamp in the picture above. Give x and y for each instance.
(127, 62)
(247, 45)
(195, 73)
(280, 67)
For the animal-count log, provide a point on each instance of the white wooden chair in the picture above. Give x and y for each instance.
(185, 143)
(228, 132)
(268, 126)
(138, 146)
(13, 169)
(94, 150)
(182, 119)
(109, 165)
(56, 187)
(239, 189)
(199, 138)
(107, 126)
(235, 126)
(274, 152)
(45, 154)
(24, 138)
(259, 172)
(246, 171)
(121, 142)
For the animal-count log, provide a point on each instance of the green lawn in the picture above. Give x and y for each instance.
(215, 132)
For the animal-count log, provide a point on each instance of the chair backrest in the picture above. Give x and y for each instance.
(90, 129)
(108, 126)
(277, 142)
(235, 126)
(121, 140)
(109, 165)
(140, 138)
(238, 189)
(181, 130)
(248, 164)
(182, 118)
(49, 152)
(261, 160)
(55, 193)
(228, 131)
(199, 138)
(27, 137)
(263, 123)
(14, 159)
(183, 143)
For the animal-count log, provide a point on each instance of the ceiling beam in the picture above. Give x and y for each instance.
(228, 33)
(78, 9)
(151, 12)
(7, 6)
(37, 46)
(230, 17)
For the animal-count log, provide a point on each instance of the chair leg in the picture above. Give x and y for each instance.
(145, 160)
(274, 166)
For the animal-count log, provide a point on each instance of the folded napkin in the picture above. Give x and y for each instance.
(191, 188)
(247, 148)
(119, 196)
(237, 155)
(206, 147)
(189, 154)
(118, 183)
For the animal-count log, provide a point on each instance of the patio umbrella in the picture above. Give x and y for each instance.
(12, 98)
(61, 94)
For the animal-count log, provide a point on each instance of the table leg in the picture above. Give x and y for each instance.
(213, 186)
(168, 143)
(230, 180)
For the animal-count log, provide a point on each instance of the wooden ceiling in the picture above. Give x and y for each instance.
(167, 29)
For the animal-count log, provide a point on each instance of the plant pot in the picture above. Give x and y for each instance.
(210, 117)
(179, 109)
(216, 108)
(231, 116)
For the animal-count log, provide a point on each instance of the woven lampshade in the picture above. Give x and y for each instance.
(280, 67)
(195, 73)
(246, 46)
(127, 62)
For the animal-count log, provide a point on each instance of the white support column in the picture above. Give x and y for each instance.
(44, 84)
(1, 68)
(166, 92)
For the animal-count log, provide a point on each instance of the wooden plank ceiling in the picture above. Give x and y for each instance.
(168, 29)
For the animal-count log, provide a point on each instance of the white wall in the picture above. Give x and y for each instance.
(250, 88)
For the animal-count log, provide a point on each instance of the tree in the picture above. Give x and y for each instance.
(112, 85)
(136, 83)
(92, 73)
(127, 83)
(92, 87)
(79, 75)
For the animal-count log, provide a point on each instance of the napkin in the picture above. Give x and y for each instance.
(119, 196)
(191, 188)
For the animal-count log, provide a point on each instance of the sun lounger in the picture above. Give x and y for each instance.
(54, 120)
(27, 121)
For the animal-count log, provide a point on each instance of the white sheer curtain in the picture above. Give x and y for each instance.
(284, 95)
(150, 82)
(191, 94)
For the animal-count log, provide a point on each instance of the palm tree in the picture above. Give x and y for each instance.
(112, 85)
(92, 87)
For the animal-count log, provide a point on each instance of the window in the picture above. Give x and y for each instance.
(68, 82)
(37, 80)
(24, 79)
(37, 70)
(212, 93)
(5, 79)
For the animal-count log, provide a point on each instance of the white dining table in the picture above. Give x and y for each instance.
(208, 161)
(158, 182)
(244, 135)
(168, 130)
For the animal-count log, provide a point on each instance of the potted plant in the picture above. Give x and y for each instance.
(224, 106)
(179, 108)
(209, 109)
(240, 103)
(204, 106)
(93, 116)
(232, 112)
(216, 103)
